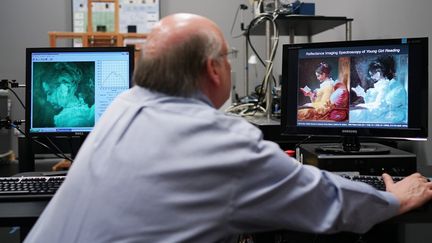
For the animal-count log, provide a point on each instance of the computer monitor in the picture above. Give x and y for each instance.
(68, 89)
(354, 89)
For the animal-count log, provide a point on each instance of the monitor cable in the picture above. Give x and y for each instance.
(253, 24)
(59, 154)
(297, 145)
(8, 85)
(241, 7)
(261, 99)
(268, 63)
(59, 150)
(8, 123)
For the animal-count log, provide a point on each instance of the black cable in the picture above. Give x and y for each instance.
(302, 141)
(234, 22)
(58, 149)
(255, 21)
(20, 101)
(269, 66)
(62, 156)
(42, 144)
(247, 35)
(252, 24)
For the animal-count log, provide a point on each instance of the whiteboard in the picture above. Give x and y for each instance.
(136, 15)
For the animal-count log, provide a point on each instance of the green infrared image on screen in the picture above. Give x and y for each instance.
(65, 94)
(68, 89)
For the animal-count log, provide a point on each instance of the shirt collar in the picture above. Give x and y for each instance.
(153, 95)
(201, 97)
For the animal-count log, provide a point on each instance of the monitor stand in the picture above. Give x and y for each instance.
(351, 145)
(76, 143)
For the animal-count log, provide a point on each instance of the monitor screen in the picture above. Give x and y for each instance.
(68, 89)
(370, 88)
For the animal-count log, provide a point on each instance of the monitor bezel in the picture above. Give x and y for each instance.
(416, 131)
(28, 95)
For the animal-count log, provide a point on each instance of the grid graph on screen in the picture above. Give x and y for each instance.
(114, 74)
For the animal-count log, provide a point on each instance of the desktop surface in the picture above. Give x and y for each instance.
(25, 214)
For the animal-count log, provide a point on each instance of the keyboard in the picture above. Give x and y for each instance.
(29, 188)
(376, 181)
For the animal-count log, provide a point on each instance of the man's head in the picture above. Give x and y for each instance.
(184, 54)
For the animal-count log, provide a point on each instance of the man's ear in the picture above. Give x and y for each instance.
(213, 68)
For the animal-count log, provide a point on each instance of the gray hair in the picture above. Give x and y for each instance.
(178, 70)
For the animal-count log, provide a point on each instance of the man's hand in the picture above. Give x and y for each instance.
(412, 192)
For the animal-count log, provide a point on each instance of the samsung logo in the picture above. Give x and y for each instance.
(350, 131)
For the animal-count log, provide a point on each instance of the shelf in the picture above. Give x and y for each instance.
(303, 25)
(116, 39)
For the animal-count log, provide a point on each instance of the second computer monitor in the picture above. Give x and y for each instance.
(369, 88)
(68, 89)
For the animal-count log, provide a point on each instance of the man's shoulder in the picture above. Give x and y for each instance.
(189, 110)
(238, 125)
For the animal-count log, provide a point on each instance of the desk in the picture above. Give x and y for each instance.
(22, 214)
(392, 230)
(25, 214)
(422, 215)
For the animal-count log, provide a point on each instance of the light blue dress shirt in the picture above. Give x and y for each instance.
(167, 169)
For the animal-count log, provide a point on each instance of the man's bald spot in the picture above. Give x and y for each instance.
(177, 28)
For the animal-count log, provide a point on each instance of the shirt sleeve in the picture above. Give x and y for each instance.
(277, 192)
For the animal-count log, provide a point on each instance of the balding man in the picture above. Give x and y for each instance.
(164, 165)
